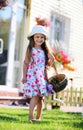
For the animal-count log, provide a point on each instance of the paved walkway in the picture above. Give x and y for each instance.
(72, 109)
(13, 106)
(63, 108)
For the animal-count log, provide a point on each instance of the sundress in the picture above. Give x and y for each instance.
(36, 80)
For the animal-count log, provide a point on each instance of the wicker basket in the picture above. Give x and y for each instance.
(59, 82)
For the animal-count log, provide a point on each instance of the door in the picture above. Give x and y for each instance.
(12, 40)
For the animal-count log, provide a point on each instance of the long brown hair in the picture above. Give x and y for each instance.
(32, 44)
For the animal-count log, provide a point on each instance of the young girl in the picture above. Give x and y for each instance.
(36, 59)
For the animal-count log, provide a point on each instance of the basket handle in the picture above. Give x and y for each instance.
(55, 69)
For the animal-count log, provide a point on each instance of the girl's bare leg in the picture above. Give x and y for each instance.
(39, 108)
(33, 103)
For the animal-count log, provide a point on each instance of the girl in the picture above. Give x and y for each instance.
(36, 59)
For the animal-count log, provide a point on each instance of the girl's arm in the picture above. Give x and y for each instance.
(50, 55)
(25, 68)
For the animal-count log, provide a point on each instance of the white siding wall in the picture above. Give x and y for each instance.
(72, 9)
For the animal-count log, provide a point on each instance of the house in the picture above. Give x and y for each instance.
(16, 21)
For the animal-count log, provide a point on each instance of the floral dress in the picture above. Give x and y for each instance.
(36, 80)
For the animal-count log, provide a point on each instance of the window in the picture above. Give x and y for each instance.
(5, 18)
(60, 30)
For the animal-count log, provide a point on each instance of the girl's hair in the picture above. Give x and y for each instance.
(32, 44)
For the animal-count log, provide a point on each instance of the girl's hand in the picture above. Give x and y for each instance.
(51, 60)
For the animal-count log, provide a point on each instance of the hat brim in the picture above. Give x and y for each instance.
(38, 29)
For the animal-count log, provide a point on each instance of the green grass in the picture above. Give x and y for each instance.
(17, 119)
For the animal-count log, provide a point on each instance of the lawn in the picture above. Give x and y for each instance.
(17, 119)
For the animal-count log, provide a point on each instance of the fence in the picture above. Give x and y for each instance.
(70, 97)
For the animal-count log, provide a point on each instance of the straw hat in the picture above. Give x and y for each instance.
(38, 29)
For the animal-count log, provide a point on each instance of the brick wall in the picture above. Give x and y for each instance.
(7, 91)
